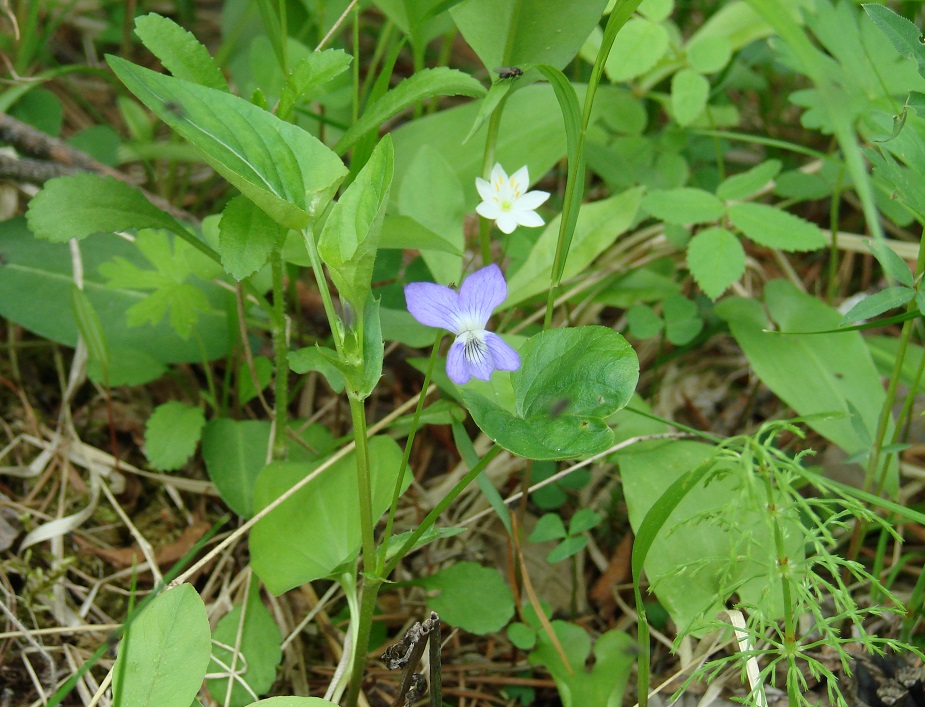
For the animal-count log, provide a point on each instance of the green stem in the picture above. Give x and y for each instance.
(315, 259)
(281, 353)
(386, 536)
(618, 17)
(431, 518)
(488, 161)
(371, 582)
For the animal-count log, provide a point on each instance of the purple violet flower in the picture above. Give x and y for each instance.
(476, 353)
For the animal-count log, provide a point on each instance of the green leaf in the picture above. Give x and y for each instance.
(405, 233)
(683, 205)
(892, 264)
(689, 93)
(83, 204)
(373, 349)
(637, 48)
(310, 73)
(643, 321)
(740, 186)
(172, 434)
(90, 327)
(179, 51)
(293, 702)
(317, 530)
(818, 375)
(33, 265)
(716, 259)
(526, 31)
(350, 237)
(682, 319)
(878, 303)
(247, 236)
(571, 117)
(548, 527)
(163, 657)
(432, 195)
(259, 643)
(280, 167)
(903, 34)
(425, 84)
(599, 224)
(263, 370)
(583, 521)
(568, 547)
(775, 228)
(321, 359)
(521, 636)
(591, 367)
(707, 55)
(234, 453)
(396, 542)
(472, 597)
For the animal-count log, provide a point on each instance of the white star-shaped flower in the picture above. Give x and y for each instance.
(506, 201)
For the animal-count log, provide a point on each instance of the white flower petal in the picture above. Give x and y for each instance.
(489, 209)
(485, 189)
(480, 294)
(522, 179)
(498, 174)
(433, 305)
(505, 358)
(532, 200)
(530, 219)
(506, 222)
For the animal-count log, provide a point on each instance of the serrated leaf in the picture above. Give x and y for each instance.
(163, 657)
(280, 167)
(643, 321)
(892, 264)
(179, 51)
(83, 204)
(172, 434)
(548, 527)
(905, 37)
(716, 259)
(247, 236)
(472, 597)
(311, 72)
(775, 228)
(683, 205)
(878, 303)
(689, 93)
(421, 86)
(708, 55)
(682, 319)
(739, 186)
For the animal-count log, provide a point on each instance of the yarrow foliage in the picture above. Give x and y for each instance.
(506, 201)
(476, 353)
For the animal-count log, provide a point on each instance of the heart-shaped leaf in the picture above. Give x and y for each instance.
(570, 381)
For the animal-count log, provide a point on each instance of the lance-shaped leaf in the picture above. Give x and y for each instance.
(179, 51)
(313, 71)
(351, 234)
(419, 87)
(247, 236)
(280, 167)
